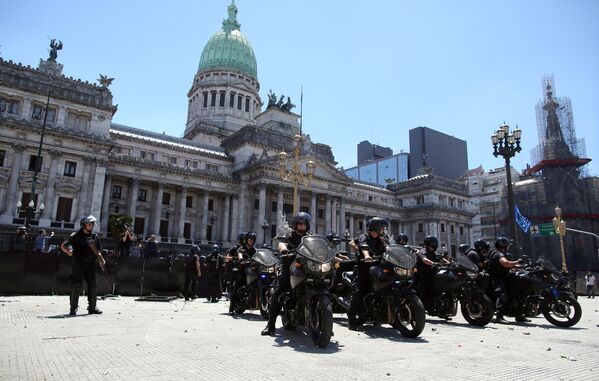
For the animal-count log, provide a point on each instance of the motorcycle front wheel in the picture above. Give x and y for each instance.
(321, 324)
(477, 310)
(265, 303)
(409, 316)
(563, 311)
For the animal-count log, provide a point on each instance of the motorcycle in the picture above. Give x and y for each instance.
(457, 282)
(392, 300)
(259, 273)
(308, 304)
(539, 285)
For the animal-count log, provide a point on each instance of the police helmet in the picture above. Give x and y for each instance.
(301, 217)
(88, 220)
(250, 235)
(502, 243)
(376, 224)
(431, 241)
(241, 238)
(463, 248)
(215, 249)
(481, 245)
(195, 249)
(402, 237)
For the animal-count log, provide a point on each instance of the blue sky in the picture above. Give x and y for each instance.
(370, 69)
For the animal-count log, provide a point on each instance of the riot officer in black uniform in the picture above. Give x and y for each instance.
(213, 263)
(243, 254)
(500, 263)
(371, 244)
(192, 272)
(84, 247)
(479, 254)
(301, 227)
(402, 239)
(230, 262)
(428, 258)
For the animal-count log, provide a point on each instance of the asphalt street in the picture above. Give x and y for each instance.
(197, 340)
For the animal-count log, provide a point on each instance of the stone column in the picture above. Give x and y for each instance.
(96, 191)
(235, 230)
(49, 189)
(341, 218)
(261, 214)
(351, 225)
(204, 209)
(182, 206)
(334, 223)
(280, 195)
(243, 206)
(133, 193)
(225, 237)
(327, 215)
(10, 205)
(104, 216)
(313, 212)
(85, 182)
(156, 213)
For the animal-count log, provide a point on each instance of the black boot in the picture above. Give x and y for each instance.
(73, 311)
(352, 323)
(94, 311)
(523, 319)
(269, 330)
(500, 320)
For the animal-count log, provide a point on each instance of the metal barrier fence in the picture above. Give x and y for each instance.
(27, 273)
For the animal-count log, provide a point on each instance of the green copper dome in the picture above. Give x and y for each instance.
(228, 49)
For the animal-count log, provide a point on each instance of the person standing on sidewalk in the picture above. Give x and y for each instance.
(590, 281)
(84, 247)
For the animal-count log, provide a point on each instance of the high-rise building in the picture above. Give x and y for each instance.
(389, 170)
(446, 155)
(370, 152)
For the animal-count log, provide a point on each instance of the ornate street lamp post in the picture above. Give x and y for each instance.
(295, 174)
(265, 226)
(560, 228)
(508, 145)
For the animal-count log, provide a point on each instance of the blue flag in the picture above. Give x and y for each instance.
(522, 221)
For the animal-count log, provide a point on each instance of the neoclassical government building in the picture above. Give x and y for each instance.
(221, 177)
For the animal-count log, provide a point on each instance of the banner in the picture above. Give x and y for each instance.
(522, 221)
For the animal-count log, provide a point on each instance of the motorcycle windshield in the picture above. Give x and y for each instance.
(546, 264)
(265, 258)
(316, 248)
(465, 263)
(399, 256)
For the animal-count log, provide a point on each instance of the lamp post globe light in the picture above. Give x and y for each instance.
(507, 145)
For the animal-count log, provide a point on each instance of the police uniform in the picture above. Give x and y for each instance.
(213, 263)
(424, 272)
(84, 267)
(376, 247)
(499, 276)
(239, 275)
(191, 275)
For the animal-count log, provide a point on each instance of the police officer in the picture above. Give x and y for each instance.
(371, 244)
(479, 254)
(84, 247)
(213, 263)
(301, 227)
(500, 263)
(428, 259)
(243, 254)
(192, 272)
(230, 260)
(402, 239)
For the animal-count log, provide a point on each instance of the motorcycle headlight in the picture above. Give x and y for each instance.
(471, 274)
(271, 269)
(319, 268)
(403, 272)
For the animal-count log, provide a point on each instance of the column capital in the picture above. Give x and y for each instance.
(19, 147)
(55, 154)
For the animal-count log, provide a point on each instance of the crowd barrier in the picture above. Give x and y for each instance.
(23, 273)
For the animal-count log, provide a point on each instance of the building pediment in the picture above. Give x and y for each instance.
(67, 184)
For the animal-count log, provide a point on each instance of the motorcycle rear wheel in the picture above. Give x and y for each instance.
(321, 326)
(477, 310)
(410, 316)
(286, 322)
(564, 311)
